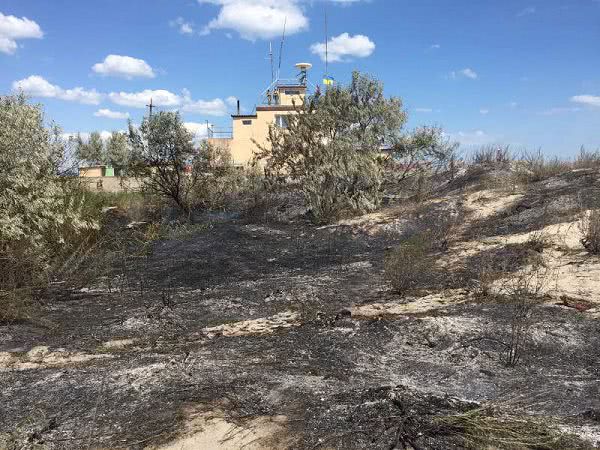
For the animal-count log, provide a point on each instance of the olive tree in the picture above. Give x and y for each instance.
(92, 151)
(161, 149)
(332, 146)
(40, 214)
(117, 152)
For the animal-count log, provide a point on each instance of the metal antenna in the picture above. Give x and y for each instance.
(150, 107)
(271, 58)
(281, 46)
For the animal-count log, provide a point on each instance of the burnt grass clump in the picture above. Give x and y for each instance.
(431, 378)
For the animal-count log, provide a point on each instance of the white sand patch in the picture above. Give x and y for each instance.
(211, 431)
(117, 344)
(41, 357)
(487, 203)
(266, 325)
(415, 306)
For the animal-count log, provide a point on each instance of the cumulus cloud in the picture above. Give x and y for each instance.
(37, 86)
(124, 67)
(160, 97)
(163, 98)
(344, 46)
(464, 73)
(108, 114)
(216, 107)
(257, 19)
(13, 28)
(588, 100)
(198, 130)
(184, 27)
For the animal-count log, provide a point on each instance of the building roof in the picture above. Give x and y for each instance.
(276, 108)
(243, 116)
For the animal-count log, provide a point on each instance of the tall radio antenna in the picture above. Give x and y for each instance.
(271, 58)
(281, 46)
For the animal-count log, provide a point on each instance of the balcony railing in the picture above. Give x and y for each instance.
(220, 133)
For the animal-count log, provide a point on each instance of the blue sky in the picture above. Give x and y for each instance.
(520, 72)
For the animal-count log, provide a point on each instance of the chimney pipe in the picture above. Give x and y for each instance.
(238, 107)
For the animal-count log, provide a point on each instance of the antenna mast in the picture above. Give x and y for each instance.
(281, 46)
(151, 106)
(271, 58)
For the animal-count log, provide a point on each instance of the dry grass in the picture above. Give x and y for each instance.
(589, 225)
(487, 427)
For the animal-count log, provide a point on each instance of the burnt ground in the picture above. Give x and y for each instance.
(335, 375)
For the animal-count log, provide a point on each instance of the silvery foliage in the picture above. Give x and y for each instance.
(332, 147)
(38, 208)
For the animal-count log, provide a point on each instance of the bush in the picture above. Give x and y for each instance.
(589, 226)
(331, 147)
(537, 167)
(217, 183)
(587, 160)
(43, 214)
(410, 264)
(492, 156)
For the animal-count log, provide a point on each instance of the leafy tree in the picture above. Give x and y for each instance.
(332, 147)
(92, 151)
(161, 149)
(40, 213)
(117, 151)
(425, 149)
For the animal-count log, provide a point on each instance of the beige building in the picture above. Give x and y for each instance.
(280, 101)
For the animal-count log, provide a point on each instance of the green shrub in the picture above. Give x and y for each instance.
(43, 215)
(407, 266)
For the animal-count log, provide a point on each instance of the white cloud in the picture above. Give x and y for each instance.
(163, 98)
(257, 19)
(216, 107)
(198, 130)
(37, 86)
(108, 114)
(184, 27)
(526, 12)
(231, 101)
(12, 29)
(344, 46)
(423, 110)
(484, 111)
(160, 97)
(124, 67)
(435, 47)
(466, 73)
(588, 100)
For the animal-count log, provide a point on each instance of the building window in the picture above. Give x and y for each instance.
(281, 121)
(246, 122)
(292, 92)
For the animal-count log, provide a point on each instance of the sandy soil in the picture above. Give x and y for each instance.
(265, 336)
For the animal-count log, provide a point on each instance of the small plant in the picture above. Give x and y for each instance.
(409, 264)
(522, 294)
(589, 225)
(537, 241)
(537, 167)
(492, 156)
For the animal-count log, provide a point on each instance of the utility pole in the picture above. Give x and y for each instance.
(150, 107)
